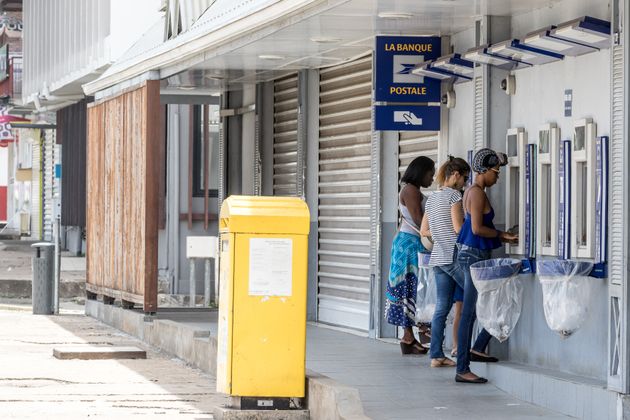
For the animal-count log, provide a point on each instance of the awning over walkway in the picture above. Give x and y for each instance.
(244, 42)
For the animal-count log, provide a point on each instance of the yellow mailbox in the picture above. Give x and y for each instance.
(262, 303)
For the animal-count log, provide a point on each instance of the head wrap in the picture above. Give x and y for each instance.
(487, 158)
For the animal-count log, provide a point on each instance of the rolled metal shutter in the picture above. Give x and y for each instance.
(48, 179)
(479, 111)
(344, 194)
(412, 144)
(618, 217)
(36, 186)
(285, 136)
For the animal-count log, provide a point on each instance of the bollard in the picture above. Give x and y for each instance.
(43, 272)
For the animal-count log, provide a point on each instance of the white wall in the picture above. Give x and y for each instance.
(129, 21)
(540, 90)
(460, 118)
(559, 12)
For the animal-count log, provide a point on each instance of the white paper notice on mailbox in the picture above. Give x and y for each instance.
(270, 267)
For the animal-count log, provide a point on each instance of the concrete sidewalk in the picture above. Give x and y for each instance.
(34, 385)
(391, 386)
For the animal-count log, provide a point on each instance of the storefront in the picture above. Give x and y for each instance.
(301, 121)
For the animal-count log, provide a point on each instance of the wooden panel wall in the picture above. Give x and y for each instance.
(125, 159)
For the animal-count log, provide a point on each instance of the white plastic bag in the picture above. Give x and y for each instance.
(566, 290)
(426, 298)
(500, 295)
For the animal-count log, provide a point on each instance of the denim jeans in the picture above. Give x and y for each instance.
(446, 278)
(466, 257)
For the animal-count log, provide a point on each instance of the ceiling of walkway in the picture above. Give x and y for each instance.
(340, 34)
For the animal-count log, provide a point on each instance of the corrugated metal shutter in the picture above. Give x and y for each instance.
(479, 112)
(617, 338)
(48, 180)
(36, 189)
(285, 135)
(412, 144)
(618, 169)
(344, 194)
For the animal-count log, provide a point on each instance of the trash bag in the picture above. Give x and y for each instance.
(500, 295)
(566, 290)
(426, 298)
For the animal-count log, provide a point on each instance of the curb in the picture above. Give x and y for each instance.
(326, 398)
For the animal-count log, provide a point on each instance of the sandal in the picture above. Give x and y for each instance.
(477, 380)
(454, 353)
(442, 362)
(412, 348)
(481, 357)
(424, 334)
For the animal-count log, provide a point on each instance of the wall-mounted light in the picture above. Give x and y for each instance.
(514, 49)
(543, 39)
(271, 57)
(586, 31)
(325, 40)
(508, 85)
(395, 15)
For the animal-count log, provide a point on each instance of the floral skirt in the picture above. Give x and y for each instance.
(402, 288)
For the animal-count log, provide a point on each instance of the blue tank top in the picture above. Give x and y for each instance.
(467, 237)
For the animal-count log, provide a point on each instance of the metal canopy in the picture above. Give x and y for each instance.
(301, 34)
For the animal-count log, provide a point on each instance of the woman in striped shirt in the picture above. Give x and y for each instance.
(443, 218)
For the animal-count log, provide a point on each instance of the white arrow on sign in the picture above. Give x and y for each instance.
(407, 117)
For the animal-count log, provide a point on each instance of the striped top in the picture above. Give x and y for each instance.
(438, 209)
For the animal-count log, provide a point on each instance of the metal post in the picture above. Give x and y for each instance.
(206, 280)
(56, 226)
(192, 285)
(217, 280)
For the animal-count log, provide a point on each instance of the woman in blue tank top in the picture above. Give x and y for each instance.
(477, 238)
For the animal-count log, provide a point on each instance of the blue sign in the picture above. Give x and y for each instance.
(406, 118)
(396, 57)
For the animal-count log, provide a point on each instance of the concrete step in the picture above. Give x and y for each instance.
(90, 352)
(574, 396)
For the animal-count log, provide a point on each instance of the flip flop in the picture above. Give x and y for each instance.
(477, 380)
(445, 362)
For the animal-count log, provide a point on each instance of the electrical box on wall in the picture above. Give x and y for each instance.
(516, 147)
(583, 197)
(548, 190)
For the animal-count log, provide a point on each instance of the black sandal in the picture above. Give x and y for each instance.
(412, 348)
(474, 357)
(477, 380)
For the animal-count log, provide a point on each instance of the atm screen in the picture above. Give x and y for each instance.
(579, 138)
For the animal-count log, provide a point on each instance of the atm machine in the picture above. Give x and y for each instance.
(573, 252)
(520, 209)
(585, 224)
